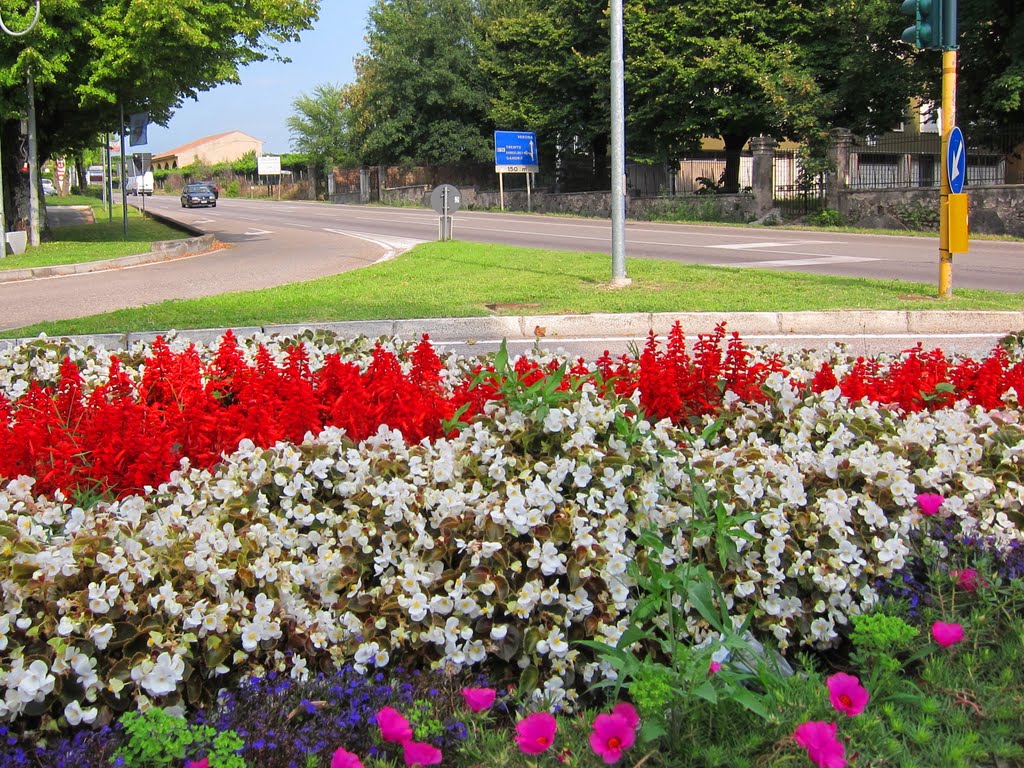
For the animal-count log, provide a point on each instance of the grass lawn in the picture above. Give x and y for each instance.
(93, 242)
(480, 280)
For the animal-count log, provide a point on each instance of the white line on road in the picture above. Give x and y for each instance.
(795, 262)
(254, 232)
(744, 246)
(392, 246)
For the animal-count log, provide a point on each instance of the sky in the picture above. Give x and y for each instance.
(261, 104)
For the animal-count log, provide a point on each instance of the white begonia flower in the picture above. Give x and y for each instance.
(101, 635)
(161, 677)
(75, 715)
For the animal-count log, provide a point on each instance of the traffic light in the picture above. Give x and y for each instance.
(926, 32)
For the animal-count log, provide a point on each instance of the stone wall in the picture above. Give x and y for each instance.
(598, 204)
(994, 210)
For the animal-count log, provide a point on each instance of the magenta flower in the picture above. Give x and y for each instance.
(929, 503)
(345, 759)
(393, 727)
(536, 732)
(627, 712)
(610, 736)
(947, 634)
(714, 667)
(205, 763)
(847, 694)
(479, 699)
(966, 578)
(418, 753)
(819, 739)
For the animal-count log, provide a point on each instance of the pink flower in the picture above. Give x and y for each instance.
(714, 667)
(393, 727)
(611, 735)
(479, 699)
(819, 739)
(205, 763)
(847, 694)
(627, 712)
(536, 732)
(418, 753)
(345, 759)
(966, 578)
(929, 503)
(947, 634)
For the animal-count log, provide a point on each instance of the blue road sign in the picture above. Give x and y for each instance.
(956, 161)
(515, 152)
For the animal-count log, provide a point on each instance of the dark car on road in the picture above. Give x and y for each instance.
(213, 187)
(198, 194)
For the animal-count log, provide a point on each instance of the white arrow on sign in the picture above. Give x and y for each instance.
(956, 163)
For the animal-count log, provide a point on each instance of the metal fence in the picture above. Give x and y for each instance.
(914, 159)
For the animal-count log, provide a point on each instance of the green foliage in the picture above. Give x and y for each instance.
(320, 126)
(922, 217)
(157, 739)
(827, 217)
(686, 208)
(420, 96)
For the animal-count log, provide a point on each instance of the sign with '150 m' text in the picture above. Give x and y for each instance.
(515, 152)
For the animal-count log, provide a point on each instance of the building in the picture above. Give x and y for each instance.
(219, 148)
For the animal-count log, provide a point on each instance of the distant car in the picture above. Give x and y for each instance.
(198, 194)
(213, 188)
(48, 188)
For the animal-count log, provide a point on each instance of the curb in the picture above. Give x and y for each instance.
(595, 326)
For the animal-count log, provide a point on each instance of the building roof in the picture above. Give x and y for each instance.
(198, 143)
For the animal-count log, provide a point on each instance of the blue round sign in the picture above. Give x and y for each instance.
(956, 161)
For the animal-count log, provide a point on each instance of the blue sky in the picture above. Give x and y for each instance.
(262, 103)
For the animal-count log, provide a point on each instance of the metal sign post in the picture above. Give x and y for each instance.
(446, 200)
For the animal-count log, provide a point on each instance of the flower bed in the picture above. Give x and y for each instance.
(500, 536)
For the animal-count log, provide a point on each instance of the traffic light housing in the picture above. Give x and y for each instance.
(934, 27)
(926, 32)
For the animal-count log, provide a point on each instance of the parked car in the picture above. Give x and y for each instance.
(198, 194)
(48, 188)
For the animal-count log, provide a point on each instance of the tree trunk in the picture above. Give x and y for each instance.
(733, 148)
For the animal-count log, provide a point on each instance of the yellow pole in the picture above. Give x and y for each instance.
(948, 121)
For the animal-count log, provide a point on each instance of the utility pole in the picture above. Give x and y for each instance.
(618, 108)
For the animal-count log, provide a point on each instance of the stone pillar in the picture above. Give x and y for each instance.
(763, 176)
(838, 179)
(364, 184)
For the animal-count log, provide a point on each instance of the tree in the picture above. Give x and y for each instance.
(743, 68)
(320, 128)
(420, 96)
(990, 90)
(89, 58)
(548, 65)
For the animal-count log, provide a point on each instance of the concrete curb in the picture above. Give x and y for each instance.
(597, 326)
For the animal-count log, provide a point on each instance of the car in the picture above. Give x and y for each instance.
(48, 188)
(213, 188)
(198, 194)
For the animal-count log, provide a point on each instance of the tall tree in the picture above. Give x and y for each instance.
(548, 63)
(320, 127)
(420, 96)
(990, 92)
(89, 57)
(743, 68)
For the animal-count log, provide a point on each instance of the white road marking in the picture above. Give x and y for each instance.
(253, 232)
(795, 262)
(392, 245)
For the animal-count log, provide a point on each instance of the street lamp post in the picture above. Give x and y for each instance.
(12, 33)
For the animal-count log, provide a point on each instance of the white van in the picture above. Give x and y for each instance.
(140, 185)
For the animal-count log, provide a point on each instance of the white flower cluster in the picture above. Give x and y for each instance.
(511, 541)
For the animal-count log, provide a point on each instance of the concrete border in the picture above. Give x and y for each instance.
(634, 325)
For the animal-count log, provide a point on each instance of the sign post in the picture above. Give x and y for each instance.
(515, 152)
(446, 200)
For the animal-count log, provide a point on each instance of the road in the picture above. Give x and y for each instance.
(271, 243)
(997, 266)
